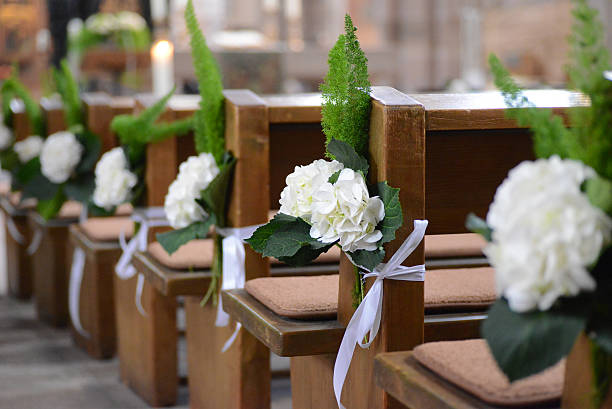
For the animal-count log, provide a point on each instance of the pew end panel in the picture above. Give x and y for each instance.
(19, 269)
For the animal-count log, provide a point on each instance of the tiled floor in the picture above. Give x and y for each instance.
(40, 368)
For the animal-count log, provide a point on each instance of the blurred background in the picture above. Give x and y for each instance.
(274, 46)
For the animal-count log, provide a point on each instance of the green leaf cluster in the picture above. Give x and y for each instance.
(68, 89)
(14, 88)
(209, 121)
(346, 93)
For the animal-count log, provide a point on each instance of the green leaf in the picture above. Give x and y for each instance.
(174, 239)
(526, 344)
(346, 154)
(29, 170)
(81, 188)
(393, 212)
(368, 259)
(260, 237)
(95, 211)
(477, 225)
(603, 338)
(9, 160)
(287, 240)
(599, 192)
(69, 91)
(92, 146)
(305, 255)
(40, 187)
(49, 208)
(214, 197)
(334, 178)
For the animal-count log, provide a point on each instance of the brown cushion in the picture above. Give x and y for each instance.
(316, 297)
(311, 297)
(125, 209)
(197, 254)
(459, 288)
(454, 245)
(108, 228)
(470, 366)
(70, 210)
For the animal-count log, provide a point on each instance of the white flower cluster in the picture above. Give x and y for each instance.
(29, 148)
(114, 181)
(195, 174)
(107, 23)
(60, 155)
(546, 233)
(342, 211)
(6, 136)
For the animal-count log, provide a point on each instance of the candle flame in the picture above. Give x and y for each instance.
(163, 49)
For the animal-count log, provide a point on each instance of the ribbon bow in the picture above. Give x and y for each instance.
(147, 218)
(233, 270)
(366, 318)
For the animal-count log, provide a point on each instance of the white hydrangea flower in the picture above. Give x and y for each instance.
(546, 233)
(128, 20)
(29, 148)
(101, 23)
(345, 211)
(60, 155)
(195, 174)
(296, 197)
(114, 181)
(6, 136)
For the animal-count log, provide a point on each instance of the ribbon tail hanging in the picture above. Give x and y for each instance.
(74, 290)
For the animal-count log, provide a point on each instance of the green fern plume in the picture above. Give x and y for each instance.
(549, 132)
(209, 122)
(7, 94)
(14, 88)
(592, 139)
(346, 92)
(163, 130)
(69, 91)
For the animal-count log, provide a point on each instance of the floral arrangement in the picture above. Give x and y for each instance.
(60, 168)
(550, 225)
(119, 173)
(197, 199)
(126, 30)
(15, 156)
(329, 202)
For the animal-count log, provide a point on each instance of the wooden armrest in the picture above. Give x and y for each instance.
(400, 375)
(169, 282)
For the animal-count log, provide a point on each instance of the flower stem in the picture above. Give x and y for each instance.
(216, 270)
(358, 289)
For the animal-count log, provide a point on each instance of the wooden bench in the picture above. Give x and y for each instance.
(447, 154)
(18, 263)
(147, 345)
(96, 301)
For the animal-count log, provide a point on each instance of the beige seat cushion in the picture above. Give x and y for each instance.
(311, 297)
(197, 255)
(316, 297)
(454, 245)
(5, 187)
(15, 200)
(470, 366)
(125, 209)
(70, 210)
(108, 228)
(459, 288)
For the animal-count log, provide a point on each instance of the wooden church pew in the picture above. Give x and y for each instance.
(96, 305)
(399, 373)
(147, 345)
(447, 154)
(18, 263)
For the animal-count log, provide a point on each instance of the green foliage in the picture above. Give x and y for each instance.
(172, 240)
(214, 197)
(346, 93)
(479, 226)
(588, 139)
(210, 118)
(69, 91)
(48, 208)
(601, 361)
(14, 88)
(346, 154)
(528, 343)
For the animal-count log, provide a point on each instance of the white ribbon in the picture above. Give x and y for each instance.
(366, 318)
(74, 284)
(35, 243)
(233, 273)
(147, 218)
(14, 231)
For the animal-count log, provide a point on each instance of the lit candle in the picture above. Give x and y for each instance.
(162, 65)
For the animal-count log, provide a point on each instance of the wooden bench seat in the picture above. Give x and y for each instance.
(415, 385)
